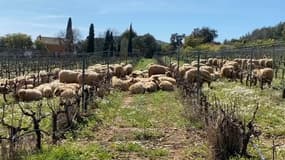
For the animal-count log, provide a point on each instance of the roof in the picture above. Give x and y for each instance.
(51, 40)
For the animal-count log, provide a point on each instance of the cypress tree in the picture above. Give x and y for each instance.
(69, 35)
(130, 44)
(111, 40)
(106, 44)
(90, 39)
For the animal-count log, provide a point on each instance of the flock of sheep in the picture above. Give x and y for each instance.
(68, 83)
(214, 68)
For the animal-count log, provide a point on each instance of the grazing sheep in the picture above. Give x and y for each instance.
(118, 70)
(150, 86)
(29, 95)
(264, 75)
(136, 74)
(269, 63)
(123, 85)
(137, 88)
(169, 79)
(195, 64)
(191, 76)
(68, 76)
(208, 68)
(166, 86)
(157, 69)
(128, 69)
(68, 93)
(232, 63)
(44, 78)
(210, 62)
(46, 90)
(90, 78)
(184, 69)
(55, 73)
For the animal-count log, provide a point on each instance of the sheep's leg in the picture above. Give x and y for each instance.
(261, 84)
(4, 97)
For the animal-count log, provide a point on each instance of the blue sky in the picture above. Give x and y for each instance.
(232, 18)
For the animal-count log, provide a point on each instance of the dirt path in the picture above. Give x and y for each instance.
(129, 137)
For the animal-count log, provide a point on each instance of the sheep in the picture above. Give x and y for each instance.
(29, 95)
(123, 85)
(166, 86)
(208, 68)
(232, 63)
(195, 64)
(183, 70)
(46, 90)
(90, 78)
(269, 63)
(128, 69)
(68, 76)
(150, 86)
(61, 88)
(44, 77)
(68, 93)
(118, 70)
(55, 73)
(264, 75)
(157, 69)
(191, 76)
(169, 79)
(210, 62)
(136, 74)
(216, 75)
(137, 88)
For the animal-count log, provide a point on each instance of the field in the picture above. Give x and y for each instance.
(157, 125)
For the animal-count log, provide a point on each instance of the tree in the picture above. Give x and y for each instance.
(77, 36)
(40, 46)
(90, 39)
(200, 36)
(146, 44)
(130, 44)
(69, 35)
(106, 43)
(111, 41)
(69, 32)
(18, 40)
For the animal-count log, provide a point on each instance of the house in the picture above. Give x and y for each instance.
(53, 45)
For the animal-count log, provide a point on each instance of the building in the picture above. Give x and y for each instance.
(53, 45)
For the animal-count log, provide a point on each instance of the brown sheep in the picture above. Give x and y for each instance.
(150, 86)
(166, 86)
(137, 88)
(184, 69)
(68, 76)
(169, 79)
(118, 70)
(264, 75)
(29, 95)
(46, 90)
(123, 85)
(157, 69)
(191, 76)
(136, 74)
(91, 78)
(128, 69)
(208, 68)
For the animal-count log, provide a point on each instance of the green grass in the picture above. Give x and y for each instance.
(144, 62)
(270, 116)
(152, 153)
(72, 151)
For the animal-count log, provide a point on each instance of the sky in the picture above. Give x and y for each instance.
(161, 18)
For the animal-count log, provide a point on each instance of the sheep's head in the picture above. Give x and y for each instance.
(21, 93)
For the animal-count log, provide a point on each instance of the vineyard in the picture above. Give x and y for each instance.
(225, 105)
